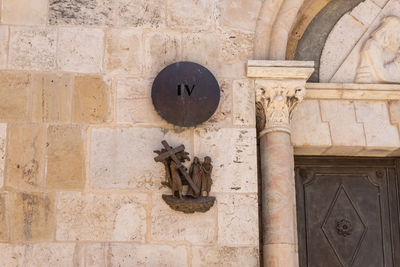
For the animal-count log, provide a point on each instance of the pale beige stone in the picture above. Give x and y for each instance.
(380, 133)
(223, 116)
(11, 255)
(3, 145)
(124, 51)
(243, 103)
(161, 49)
(24, 12)
(308, 128)
(224, 256)
(170, 225)
(3, 46)
(140, 13)
(366, 12)
(80, 49)
(138, 111)
(237, 219)
(105, 254)
(280, 255)
(25, 155)
(394, 111)
(234, 157)
(65, 157)
(116, 217)
(115, 160)
(190, 13)
(53, 254)
(280, 69)
(31, 216)
(32, 48)
(380, 3)
(91, 99)
(239, 14)
(3, 218)
(345, 130)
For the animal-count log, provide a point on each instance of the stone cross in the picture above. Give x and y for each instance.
(171, 153)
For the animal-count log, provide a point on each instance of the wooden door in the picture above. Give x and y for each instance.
(347, 211)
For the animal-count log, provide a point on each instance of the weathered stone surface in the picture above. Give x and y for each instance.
(224, 256)
(91, 12)
(3, 46)
(394, 111)
(65, 157)
(91, 100)
(116, 217)
(32, 48)
(243, 103)
(190, 13)
(237, 219)
(3, 142)
(135, 255)
(161, 50)
(167, 224)
(53, 254)
(80, 49)
(124, 51)
(14, 90)
(114, 160)
(239, 14)
(280, 255)
(234, 157)
(366, 12)
(24, 12)
(140, 13)
(224, 113)
(3, 218)
(11, 255)
(25, 154)
(31, 216)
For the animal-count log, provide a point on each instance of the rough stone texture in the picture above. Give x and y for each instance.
(366, 12)
(14, 90)
(3, 142)
(31, 216)
(3, 46)
(243, 103)
(65, 157)
(24, 12)
(394, 111)
(114, 160)
(224, 113)
(167, 224)
(3, 218)
(237, 217)
(224, 256)
(11, 255)
(135, 255)
(234, 157)
(80, 49)
(32, 48)
(124, 51)
(25, 155)
(240, 14)
(190, 13)
(91, 100)
(140, 13)
(97, 217)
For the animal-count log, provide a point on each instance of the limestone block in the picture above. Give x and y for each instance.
(3, 141)
(170, 225)
(244, 103)
(394, 111)
(52, 94)
(117, 217)
(78, 12)
(366, 12)
(114, 160)
(161, 49)
(3, 46)
(224, 113)
(24, 12)
(237, 219)
(308, 130)
(31, 216)
(239, 14)
(80, 49)
(91, 100)
(190, 13)
(234, 157)
(124, 254)
(65, 157)
(140, 13)
(53, 254)
(138, 111)
(14, 90)
(25, 155)
(3, 218)
(380, 133)
(341, 40)
(11, 255)
(32, 48)
(124, 51)
(380, 3)
(133, 88)
(224, 256)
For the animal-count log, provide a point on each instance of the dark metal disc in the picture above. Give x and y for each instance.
(185, 94)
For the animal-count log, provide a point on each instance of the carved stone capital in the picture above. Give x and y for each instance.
(278, 100)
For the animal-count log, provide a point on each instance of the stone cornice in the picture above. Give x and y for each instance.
(280, 69)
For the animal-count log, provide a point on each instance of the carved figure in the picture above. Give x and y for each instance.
(196, 172)
(206, 178)
(380, 55)
(176, 183)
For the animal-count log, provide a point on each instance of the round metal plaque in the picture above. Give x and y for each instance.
(185, 94)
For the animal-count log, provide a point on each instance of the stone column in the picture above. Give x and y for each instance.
(280, 86)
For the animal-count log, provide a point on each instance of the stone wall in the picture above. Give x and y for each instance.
(78, 183)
